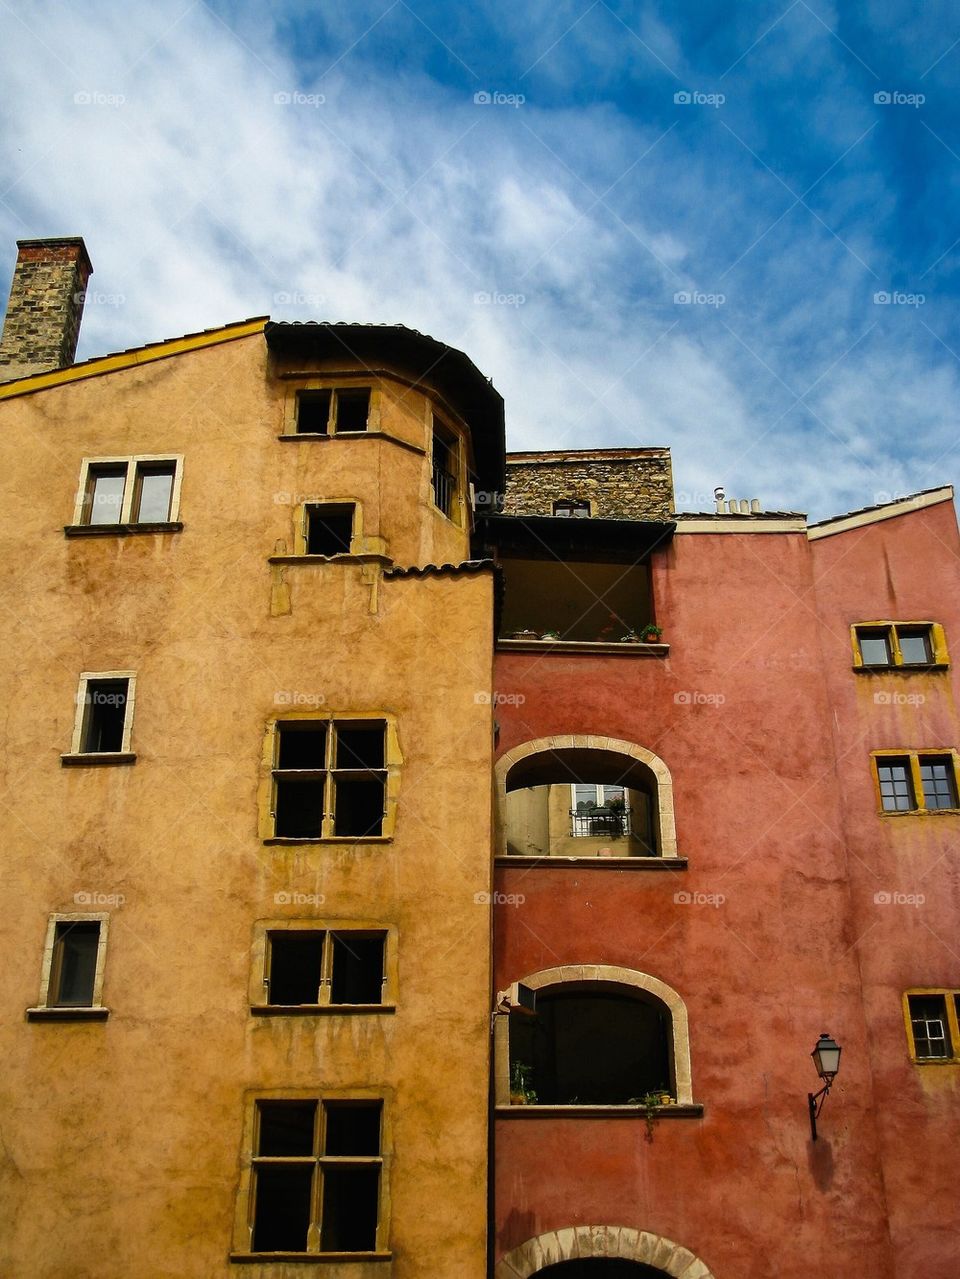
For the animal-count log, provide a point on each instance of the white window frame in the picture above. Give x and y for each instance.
(129, 485)
(64, 1010)
(599, 787)
(76, 745)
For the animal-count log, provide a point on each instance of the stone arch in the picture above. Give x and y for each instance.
(664, 817)
(682, 1078)
(614, 1242)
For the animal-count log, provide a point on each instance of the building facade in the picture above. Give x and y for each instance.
(429, 860)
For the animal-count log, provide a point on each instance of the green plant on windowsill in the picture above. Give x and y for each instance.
(651, 634)
(522, 1092)
(651, 1101)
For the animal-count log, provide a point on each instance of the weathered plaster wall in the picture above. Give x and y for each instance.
(634, 484)
(122, 1139)
(901, 569)
(756, 936)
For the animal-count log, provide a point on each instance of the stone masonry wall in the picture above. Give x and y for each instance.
(46, 303)
(634, 484)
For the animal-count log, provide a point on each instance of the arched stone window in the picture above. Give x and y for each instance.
(584, 796)
(549, 1255)
(602, 1036)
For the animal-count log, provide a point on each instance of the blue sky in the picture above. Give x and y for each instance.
(690, 224)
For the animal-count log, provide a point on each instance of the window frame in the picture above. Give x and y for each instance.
(95, 1010)
(455, 442)
(914, 757)
(132, 464)
(291, 414)
(392, 763)
(950, 997)
(76, 755)
(576, 511)
(936, 639)
(245, 1204)
(301, 520)
(260, 950)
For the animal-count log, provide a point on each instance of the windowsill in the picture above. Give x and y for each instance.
(121, 530)
(264, 1258)
(329, 839)
(327, 435)
(919, 812)
(598, 647)
(906, 668)
(44, 1013)
(689, 1110)
(599, 863)
(318, 1010)
(365, 557)
(936, 1061)
(75, 759)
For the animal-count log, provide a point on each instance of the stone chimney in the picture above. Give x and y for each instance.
(46, 304)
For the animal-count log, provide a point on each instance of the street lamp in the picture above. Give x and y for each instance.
(826, 1058)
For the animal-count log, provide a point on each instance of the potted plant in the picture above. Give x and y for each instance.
(521, 1090)
(550, 635)
(526, 634)
(631, 637)
(651, 634)
(650, 1101)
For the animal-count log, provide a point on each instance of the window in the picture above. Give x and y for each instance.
(329, 779)
(917, 782)
(333, 411)
(933, 1032)
(315, 1183)
(319, 967)
(128, 493)
(599, 810)
(886, 645)
(72, 973)
(576, 510)
(104, 718)
(445, 470)
(327, 529)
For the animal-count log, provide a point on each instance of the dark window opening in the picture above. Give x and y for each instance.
(328, 529)
(360, 746)
(896, 785)
(444, 470)
(103, 500)
(303, 744)
(104, 715)
(351, 1198)
(939, 786)
(575, 510)
(353, 1128)
(296, 964)
(593, 1048)
(282, 1207)
(153, 493)
(73, 973)
(931, 1033)
(353, 410)
(286, 1128)
(357, 969)
(358, 805)
(313, 412)
(299, 810)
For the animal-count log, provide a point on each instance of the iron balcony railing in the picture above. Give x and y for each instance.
(610, 822)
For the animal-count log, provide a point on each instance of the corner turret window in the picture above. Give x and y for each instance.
(333, 411)
(446, 470)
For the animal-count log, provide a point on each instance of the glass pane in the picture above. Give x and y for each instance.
(915, 647)
(281, 1213)
(351, 1198)
(155, 489)
(353, 1128)
(874, 648)
(105, 496)
(584, 796)
(936, 773)
(286, 1127)
(896, 786)
(75, 963)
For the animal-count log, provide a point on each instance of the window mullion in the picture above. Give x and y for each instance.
(894, 641)
(949, 998)
(129, 485)
(918, 797)
(326, 970)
